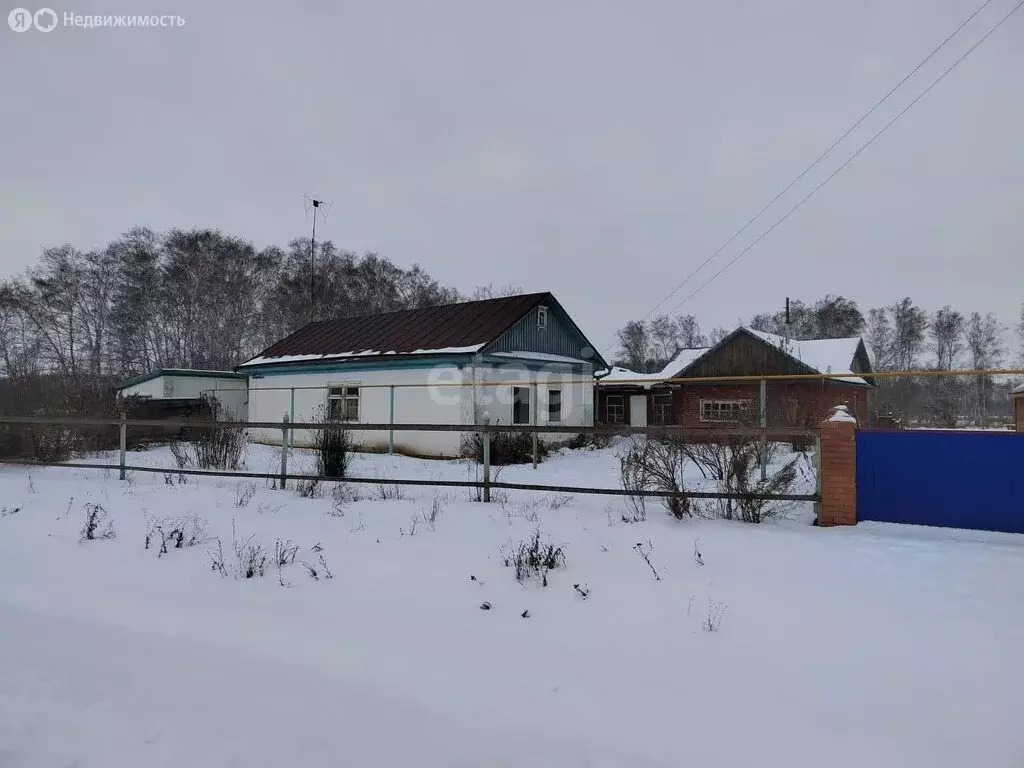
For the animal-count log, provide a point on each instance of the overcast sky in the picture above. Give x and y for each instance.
(596, 149)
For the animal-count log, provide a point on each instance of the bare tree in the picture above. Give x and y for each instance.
(663, 332)
(717, 334)
(880, 339)
(19, 345)
(1020, 332)
(910, 325)
(948, 337)
(837, 317)
(831, 317)
(489, 291)
(634, 345)
(985, 347)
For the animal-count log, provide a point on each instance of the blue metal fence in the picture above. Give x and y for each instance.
(942, 478)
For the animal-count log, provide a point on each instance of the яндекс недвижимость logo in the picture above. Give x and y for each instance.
(22, 19)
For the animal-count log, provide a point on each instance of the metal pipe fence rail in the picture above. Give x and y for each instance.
(486, 485)
(653, 379)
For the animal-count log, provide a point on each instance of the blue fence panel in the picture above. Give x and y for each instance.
(942, 478)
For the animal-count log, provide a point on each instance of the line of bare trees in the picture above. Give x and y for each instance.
(899, 337)
(189, 299)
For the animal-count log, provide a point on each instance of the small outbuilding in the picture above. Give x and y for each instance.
(183, 392)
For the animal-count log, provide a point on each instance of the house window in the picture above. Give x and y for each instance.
(661, 408)
(723, 411)
(520, 405)
(554, 405)
(343, 404)
(614, 409)
(542, 318)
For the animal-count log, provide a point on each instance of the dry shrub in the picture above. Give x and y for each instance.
(507, 447)
(734, 464)
(533, 558)
(654, 465)
(333, 449)
(213, 447)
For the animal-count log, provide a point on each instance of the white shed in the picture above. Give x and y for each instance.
(182, 385)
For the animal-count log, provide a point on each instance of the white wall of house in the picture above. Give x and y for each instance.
(442, 394)
(232, 393)
(270, 399)
(493, 394)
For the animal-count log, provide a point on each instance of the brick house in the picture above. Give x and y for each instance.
(638, 399)
(1018, 407)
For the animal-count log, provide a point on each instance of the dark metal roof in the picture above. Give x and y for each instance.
(444, 329)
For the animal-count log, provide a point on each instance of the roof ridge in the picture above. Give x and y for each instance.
(518, 296)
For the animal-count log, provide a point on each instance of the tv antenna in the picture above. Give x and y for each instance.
(316, 205)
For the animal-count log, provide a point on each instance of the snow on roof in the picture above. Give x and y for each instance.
(544, 356)
(841, 413)
(683, 358)
(823, 355)
(1018, 390)
(361, 353)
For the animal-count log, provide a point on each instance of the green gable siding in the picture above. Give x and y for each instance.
(559, 338)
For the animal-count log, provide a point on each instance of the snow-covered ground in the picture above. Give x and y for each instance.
(872, 646)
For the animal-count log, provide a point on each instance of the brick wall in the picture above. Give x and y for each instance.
(687, 402)
(797, 403)
(838, 474)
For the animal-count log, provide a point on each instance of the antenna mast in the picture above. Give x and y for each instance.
(315, 204)
(312, 251)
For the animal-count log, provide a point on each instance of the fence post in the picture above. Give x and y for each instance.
(291, 417)
(391, 432)
(123, 441)
(838, 469)
(487, 460)
(533, 412)
(763, 408)
(284, 451)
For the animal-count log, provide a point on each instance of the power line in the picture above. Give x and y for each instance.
(852, 157)
(818, 159)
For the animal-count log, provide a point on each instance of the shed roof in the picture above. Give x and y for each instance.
(1018, 390)
(463, 328)
(192, 372)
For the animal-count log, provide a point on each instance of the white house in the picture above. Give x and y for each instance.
(175, 388)
(514, 360)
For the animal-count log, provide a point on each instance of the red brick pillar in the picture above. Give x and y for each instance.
(838, 472)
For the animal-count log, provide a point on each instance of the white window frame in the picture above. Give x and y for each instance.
(741, 407)
(542, 317)
(557, 418)
(529, 405)
(345, 397)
